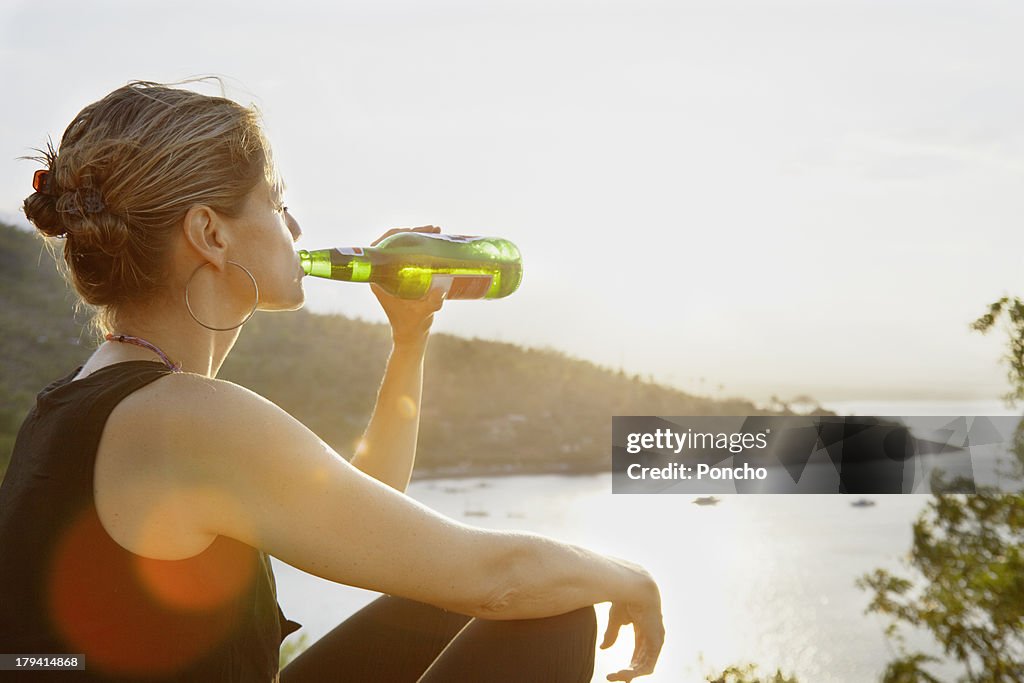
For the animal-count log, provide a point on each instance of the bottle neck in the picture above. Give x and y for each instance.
(351, 264)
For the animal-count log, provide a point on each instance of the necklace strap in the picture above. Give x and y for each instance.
(139, 341)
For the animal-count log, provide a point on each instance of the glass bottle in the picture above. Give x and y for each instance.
(407, 264)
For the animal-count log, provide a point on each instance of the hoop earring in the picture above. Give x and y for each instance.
(255, 287)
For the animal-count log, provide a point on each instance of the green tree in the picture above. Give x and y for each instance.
(747, 673)
(969, 588)
(1013, 310)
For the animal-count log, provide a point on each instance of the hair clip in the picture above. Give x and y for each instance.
(90, 201)
(81, 202)
(40, 179)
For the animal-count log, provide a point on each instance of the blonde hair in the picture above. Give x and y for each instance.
(127, 169)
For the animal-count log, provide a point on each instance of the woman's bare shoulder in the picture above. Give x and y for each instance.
(178, 403)
(162, 446)
(185, 386)
(192, 430)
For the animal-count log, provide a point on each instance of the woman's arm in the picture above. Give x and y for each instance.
(232, 463)
(387, 450)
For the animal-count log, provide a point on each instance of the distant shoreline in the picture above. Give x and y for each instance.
(913, 408)
(505, 470)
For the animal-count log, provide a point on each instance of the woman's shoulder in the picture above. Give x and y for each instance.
(185, 417)
(155, 458)
(184, 393)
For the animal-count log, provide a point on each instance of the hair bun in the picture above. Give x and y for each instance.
(98, 232)
(41, 209)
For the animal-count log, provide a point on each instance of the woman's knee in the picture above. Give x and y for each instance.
(582, 622)
(558, 648)
(577, 626)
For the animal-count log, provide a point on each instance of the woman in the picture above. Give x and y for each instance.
(144, 494)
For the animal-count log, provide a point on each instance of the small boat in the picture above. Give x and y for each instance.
(862, 503)
(706, 500)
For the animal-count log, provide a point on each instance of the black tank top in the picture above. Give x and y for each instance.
(66, 587)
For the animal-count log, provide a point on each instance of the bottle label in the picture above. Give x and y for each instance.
(464, 286)
(351, 251)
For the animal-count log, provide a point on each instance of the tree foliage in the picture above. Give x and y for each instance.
(747, 673)
(968, 583)
(968, 590)
(1012, 309)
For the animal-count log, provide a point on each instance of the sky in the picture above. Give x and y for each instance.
(770, 197)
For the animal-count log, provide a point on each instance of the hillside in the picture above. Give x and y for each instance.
(488, 407)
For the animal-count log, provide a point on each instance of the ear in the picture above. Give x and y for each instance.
(206, 233)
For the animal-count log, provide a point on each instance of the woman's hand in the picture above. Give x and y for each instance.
(410, 318)
(648, 630)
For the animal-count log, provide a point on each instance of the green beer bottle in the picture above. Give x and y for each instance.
(407, 264)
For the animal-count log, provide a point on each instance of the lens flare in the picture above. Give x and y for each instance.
(407, 407)
(131, 615)
(205, 581)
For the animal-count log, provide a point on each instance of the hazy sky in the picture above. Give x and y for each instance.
(777, 196)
